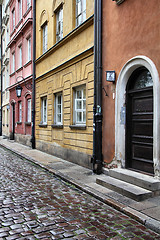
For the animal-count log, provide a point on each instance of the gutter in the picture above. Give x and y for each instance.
(34, 76)
(97, 158)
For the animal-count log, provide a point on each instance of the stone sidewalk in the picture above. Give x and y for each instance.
(146, 212)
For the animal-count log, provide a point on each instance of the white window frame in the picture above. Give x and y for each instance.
(13, 19)
(79, 116)
(28, 4)
(58, 113)
(20, 9)
(80, 11)
(20, 56)
(13, 62)
(28, 49)
(45, 37)
(44, 110)
(29, 110)
(59, 24)
(20, 111)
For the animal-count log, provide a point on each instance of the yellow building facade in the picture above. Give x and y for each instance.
(65, 78)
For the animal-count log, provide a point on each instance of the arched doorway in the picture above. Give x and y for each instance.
(120, 107)
(139, 121)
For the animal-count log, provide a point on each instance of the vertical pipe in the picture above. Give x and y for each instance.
(1, 71)
(34, 75)
(95, 74)
(97, 159)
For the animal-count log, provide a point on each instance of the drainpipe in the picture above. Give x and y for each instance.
(34, 75)
(1, 71)
(97, 159)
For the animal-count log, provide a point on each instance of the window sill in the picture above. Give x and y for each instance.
(57, 126)
(12, 74)
(28, 63)
(20, 21)
(43, 125)
(19, 69)
(79, 127)
(27, 11)
(19, 123)
(28, 123)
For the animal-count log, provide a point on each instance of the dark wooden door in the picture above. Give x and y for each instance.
(139, 129)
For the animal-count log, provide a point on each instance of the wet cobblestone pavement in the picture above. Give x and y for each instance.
(34, 204)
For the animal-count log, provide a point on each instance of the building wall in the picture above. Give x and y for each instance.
(5, 69)
(21, 69)
(129, 30)
(65, 65)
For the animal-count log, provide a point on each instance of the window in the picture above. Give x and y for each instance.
(3, 120)
(44, 110)
(13, 19)
(80, 11)
(20, 112)
(20, 9)
(20, 56)
(44, 37)
(28, 4)
(58, 109)
(59, 24)
(79, 115)
(28, 110)
(29, 49)
(13, 62)
(3, 81)
(7, 116)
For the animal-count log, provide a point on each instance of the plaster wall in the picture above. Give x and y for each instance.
(129, 30)
(66, 64)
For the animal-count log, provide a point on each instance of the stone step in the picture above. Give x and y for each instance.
(126, 189)
(138, 179)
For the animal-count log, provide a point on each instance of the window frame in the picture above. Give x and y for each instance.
(28, 4)
(19, 10)
(13, 19)
(20, 111)
(13, 62)
(44, 110)
(29, 49)
(56, 107)
(59, 24)
(29, 110)
(44, 37)
(80, 11)
(79, 111)
(20, 55)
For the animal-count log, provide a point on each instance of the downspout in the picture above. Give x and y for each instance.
(34, 75)
(1, 72)
(97, 108)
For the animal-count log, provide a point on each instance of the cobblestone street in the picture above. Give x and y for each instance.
(34, 204)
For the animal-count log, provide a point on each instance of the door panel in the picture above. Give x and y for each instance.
(139, 130)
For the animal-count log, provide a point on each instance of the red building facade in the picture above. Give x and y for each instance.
(131, 115)
(21, 68)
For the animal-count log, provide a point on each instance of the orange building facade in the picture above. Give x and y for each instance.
(131, 115)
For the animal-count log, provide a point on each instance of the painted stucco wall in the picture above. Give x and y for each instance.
(129, 30)
(22, 75)
(67, 64)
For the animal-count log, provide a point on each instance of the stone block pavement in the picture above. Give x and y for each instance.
(146, 212)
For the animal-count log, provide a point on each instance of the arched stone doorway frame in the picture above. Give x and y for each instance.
(120, 103)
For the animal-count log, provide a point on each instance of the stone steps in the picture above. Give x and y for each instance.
(131, 184)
